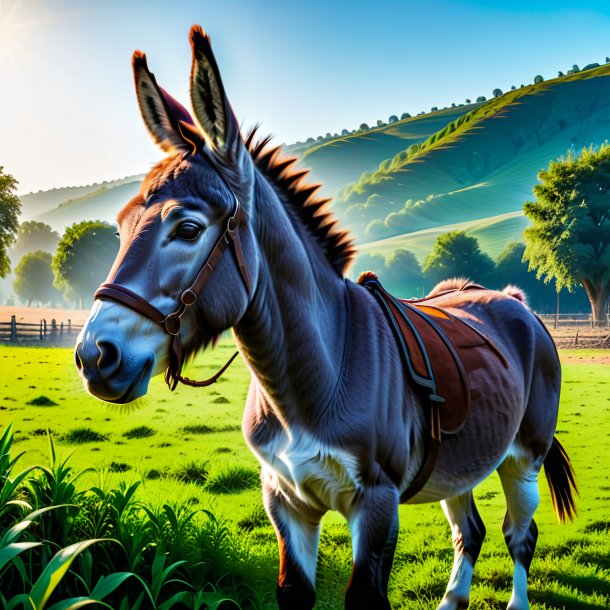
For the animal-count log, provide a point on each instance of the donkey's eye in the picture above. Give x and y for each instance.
(188, 230)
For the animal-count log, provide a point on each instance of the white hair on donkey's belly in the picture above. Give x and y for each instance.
(318, 474)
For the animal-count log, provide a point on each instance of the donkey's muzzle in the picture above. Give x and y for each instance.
(108, 375)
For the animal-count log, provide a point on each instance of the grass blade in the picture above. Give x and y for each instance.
(55, 571)
(11, 551)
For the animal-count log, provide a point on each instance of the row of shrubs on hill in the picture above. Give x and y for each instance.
(405, 115)
(457, 254)
(62, 548)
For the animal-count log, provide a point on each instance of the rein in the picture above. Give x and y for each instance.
(172, 322)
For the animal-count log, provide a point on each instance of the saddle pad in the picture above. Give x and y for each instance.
(439, 351)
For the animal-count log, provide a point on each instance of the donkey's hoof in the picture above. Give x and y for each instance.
(453, 602)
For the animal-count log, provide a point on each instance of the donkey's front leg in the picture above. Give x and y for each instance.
(373, 524)
(297, 527)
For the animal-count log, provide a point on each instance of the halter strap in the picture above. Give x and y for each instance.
(172, 322)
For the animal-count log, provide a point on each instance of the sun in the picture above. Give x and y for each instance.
(12, 27)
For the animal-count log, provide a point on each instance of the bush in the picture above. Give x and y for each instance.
(481, 98)
(42, 401)
(405, 115)
(232, 479)
(193, 472)
(139, 432)
(497, 92)
(197, 429)
(78, 436)
(538, 79)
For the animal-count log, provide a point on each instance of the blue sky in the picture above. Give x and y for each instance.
(68, 113)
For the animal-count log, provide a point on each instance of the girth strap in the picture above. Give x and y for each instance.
(172, 322)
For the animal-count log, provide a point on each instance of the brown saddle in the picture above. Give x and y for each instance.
(437, 352)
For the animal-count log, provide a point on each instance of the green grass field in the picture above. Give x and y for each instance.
(187, 448)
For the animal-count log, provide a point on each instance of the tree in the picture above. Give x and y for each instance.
(434, 109)
(344, 132)
(468, 101)
(569, 239)
(34, 278)
(369, 262)
(538, 79)
(541, 296)
(405, 115)
(403, 274)
(481, 98)
(10, 207)
(363, 126)
(379, 122)
(456, 254)
(33, 235)
(84, 255)
(497, 92)
(393, 119)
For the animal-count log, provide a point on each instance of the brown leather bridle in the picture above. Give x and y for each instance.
(172, 322)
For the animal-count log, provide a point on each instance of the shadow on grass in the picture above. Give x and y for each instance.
(558, 600)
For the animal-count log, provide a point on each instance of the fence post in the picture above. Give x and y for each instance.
(44, 322)
(576, 338)
(13, 329)
(69, 327)
(40, 332)
(61, 329)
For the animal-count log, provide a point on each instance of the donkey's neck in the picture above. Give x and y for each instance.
(294, 332)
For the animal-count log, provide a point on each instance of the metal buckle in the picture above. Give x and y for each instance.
(173, 324)
(232, 225)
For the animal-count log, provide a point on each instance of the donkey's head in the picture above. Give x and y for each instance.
(187, 260)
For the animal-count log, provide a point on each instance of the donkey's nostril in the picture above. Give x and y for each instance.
(110, 357)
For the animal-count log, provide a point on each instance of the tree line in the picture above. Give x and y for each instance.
(64, 270)
(457, 254)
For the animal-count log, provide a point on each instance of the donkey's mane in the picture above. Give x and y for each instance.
(313, 211)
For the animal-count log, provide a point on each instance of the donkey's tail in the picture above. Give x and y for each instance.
(562, 483)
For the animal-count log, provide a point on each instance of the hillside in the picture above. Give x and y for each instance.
(102, 203)
(335, 162)
(37, 204)
(340, 161)
(482, 166)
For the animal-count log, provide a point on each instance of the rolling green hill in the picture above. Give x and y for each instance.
(102, 203)
(36, 205)
(340, 161)
(481, 166)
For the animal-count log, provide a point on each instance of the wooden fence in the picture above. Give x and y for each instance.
(20, 333)
(573, 320)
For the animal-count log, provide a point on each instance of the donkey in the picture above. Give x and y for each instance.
(225, 234)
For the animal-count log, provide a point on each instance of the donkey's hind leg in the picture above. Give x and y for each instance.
(519, 481)
(468, 532)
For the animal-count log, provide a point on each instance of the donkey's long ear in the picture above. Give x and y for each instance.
(212, 109)
(169, 123)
